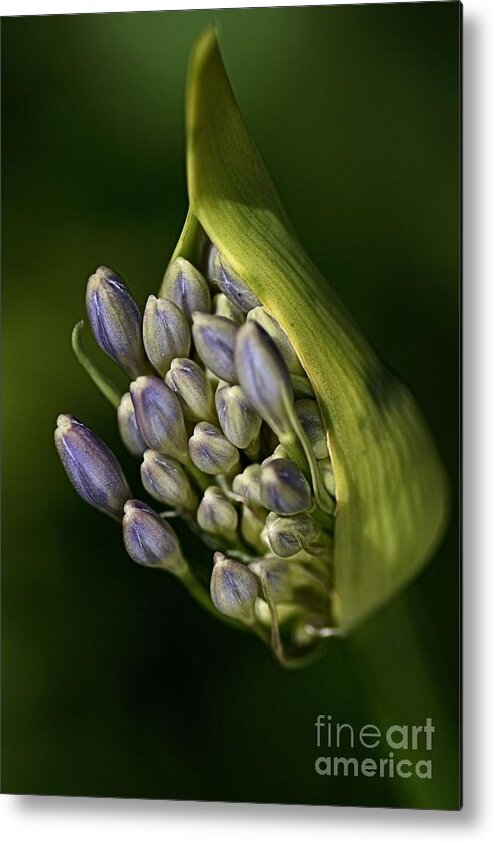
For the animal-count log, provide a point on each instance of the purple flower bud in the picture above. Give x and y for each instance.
(265, 320)
(185, 285)
(284, 489)
(190, 382)
(216, 515)
(165, 479)
(127, 424)
(214, 337)
(248, 484)
(91, 467)
(288, 535)
(166, 333)
(233, 286)
(264, 377)
(159, 417)
(116, 321)
(234, 588)
(211, 452)
(240, 423)
(149, 540)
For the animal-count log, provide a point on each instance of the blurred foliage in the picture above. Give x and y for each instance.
(114, 683)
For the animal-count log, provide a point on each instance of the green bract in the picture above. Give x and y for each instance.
(390, 484)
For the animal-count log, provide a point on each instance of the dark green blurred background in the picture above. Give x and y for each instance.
(114, 683)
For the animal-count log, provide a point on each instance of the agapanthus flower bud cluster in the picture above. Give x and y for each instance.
(230, 438)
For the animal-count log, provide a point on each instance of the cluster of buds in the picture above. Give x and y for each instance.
(224, 420)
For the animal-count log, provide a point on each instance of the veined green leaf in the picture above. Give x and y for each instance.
(390, 484)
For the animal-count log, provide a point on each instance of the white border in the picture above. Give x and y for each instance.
(57, 7)
(54, 819)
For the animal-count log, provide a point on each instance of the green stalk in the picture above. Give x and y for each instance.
(103, 383)
(380, 669)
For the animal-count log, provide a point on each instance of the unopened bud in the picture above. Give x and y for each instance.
(239, 422)
(284, 489)
(127, 425)
(265, 320)
(92, 468)
(216, 515)
(248, 485)
(149, 540)
(186, 287)
(165, 479)
(288, 535)
(166, 332)
(214, 338)
(116, 321)
(190, 383)
(159, 416)
(278, 577)
(233, 286)
(234, 588)
(264, 376)
(222, 306)
(211, 452)
(312, 423)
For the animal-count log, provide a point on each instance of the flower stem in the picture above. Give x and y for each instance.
(104, 384)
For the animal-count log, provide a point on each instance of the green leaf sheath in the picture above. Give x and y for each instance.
(390, 483)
